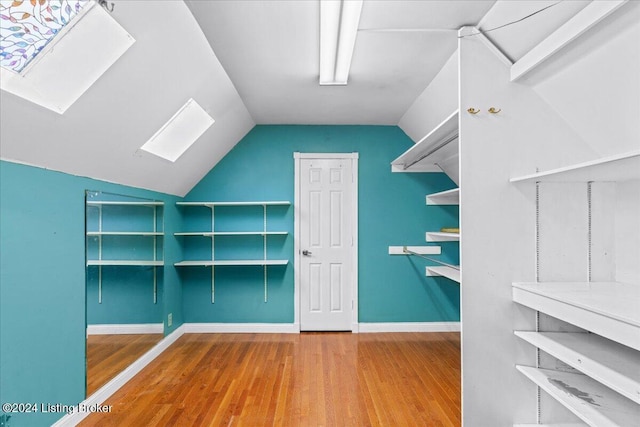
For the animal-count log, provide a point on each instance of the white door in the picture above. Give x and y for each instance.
(326, 203)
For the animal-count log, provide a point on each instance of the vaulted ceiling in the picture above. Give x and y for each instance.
(247, 63)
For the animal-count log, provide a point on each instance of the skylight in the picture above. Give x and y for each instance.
(180, 132)
(27, 26)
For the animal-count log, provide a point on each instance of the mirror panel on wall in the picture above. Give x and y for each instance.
(124, 276)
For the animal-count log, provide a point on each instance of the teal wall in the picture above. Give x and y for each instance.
(392, 211)
(42, 284)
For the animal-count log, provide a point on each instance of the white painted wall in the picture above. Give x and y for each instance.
(435, 104)
(555, 117)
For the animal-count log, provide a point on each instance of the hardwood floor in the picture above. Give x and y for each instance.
(108, 355)
(311, 379)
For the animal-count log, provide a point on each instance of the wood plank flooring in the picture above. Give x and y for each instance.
(108, 355)
(310, 379)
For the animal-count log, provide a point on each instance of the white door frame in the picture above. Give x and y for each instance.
(354, 222)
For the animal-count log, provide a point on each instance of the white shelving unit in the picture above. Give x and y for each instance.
(100, 233)
(433, 152)
(449, 197)
(444, 271)
(609, 309)
(213, 262)
(605, 388)
(440, 236)
(612, 364)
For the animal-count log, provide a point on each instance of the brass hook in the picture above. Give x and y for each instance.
(472, 111)
(493, 110)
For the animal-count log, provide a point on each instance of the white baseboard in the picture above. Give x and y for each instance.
(409, 327)
(100, 396)
(241, 328)
(141, 328)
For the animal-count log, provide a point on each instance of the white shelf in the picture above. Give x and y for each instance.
(449, 197)
(214, 204)
(621, 167)
(589, 400)
(609, 309)
(124, 233)
(420, 250)
(115, 203)
(232, 233)
(444, 271)
(434, 148)
(439, 236)
(104, 262)
(206, 263)
(610, 363)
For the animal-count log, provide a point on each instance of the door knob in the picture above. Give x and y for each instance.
(306, 252)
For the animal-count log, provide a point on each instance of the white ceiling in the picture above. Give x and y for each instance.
(270, 49)
(245, 63)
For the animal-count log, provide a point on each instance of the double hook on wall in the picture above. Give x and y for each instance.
(492, 110)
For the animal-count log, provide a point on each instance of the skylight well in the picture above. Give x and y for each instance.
(52, 51)
(27, 26)
(180, 132)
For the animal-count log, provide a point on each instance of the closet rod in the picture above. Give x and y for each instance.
(433, 150)
(407, 251)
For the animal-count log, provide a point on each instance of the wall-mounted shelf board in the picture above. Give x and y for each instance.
(116, 203)
(206, 263)
(621, 167)
(126, 262)
(612, 364)
(125, 233)
(609, 309)
(592, 402)
(232, 233)
(214, 204)
(420, 250)
(431, 149)
(449, 197)
(444, 271)
(439, 236)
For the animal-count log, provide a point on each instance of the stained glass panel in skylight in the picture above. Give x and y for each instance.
(27, 26)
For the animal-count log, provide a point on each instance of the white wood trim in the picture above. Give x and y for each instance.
(588, 17)
(296, 239)
(422, 250)
(298, 155)
(107, 390)
(241, 328)
(138, 328)
(366, 327)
